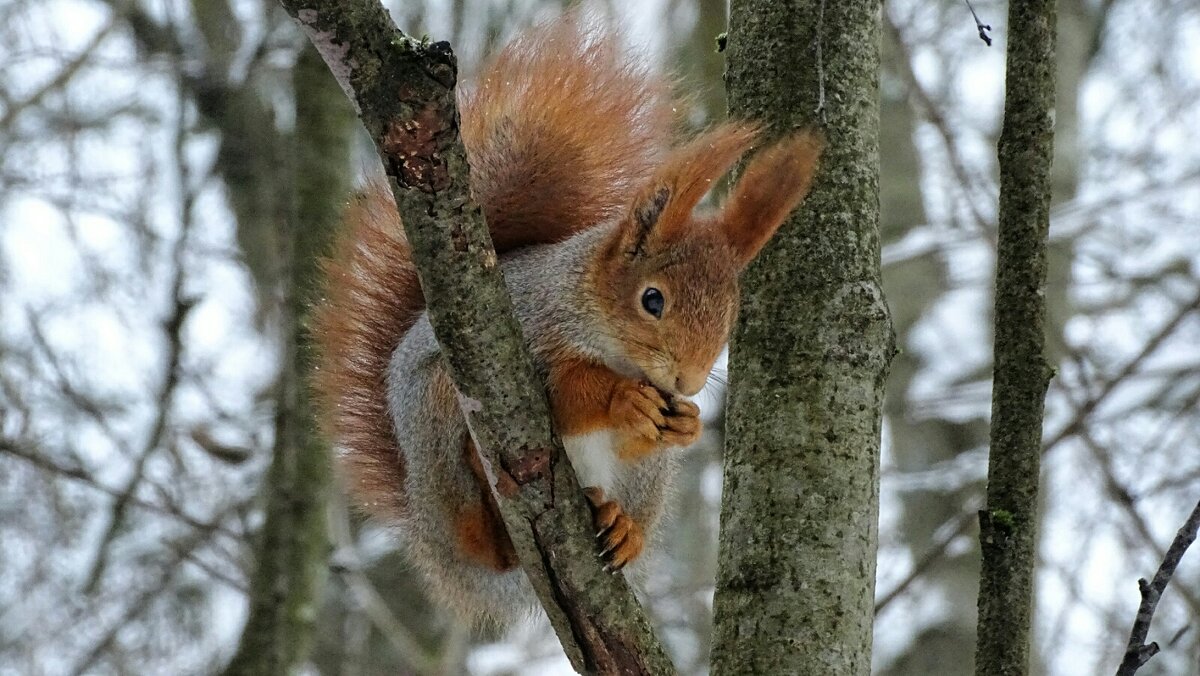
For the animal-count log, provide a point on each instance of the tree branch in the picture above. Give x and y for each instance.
(404, 90)
(1008, 526)
(1138, 652)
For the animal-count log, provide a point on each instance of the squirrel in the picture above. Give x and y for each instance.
(625, 296)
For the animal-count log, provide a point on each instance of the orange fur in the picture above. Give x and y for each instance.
(372, 298)
(480, 529)
(585, 396)
(560, 128)
(774, 182)
(580, 391)
(662, 211)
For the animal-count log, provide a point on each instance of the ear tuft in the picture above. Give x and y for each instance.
(662, 210)
(774, 182)
(646, 215)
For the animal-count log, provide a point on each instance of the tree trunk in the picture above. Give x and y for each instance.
(808, 359)
(294, 545)
(1009, 523)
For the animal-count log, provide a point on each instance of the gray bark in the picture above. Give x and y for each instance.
(808, 358)
(1021, 374)
(404, 90)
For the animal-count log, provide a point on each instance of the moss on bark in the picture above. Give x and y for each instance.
(808, 359)
(1008, 526)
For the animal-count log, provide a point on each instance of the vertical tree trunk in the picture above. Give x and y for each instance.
(808, 359)
(293, 545)
(1008, 525)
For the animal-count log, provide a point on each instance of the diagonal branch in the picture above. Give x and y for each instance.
(404, 91)
(1138, 652)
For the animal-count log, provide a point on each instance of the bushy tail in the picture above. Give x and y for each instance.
(559, 128)
(372, 298)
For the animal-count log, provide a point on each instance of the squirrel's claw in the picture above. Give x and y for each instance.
(650, 420)
(681, 426)
(681, 432)
(682, 408)
(638, 410)
(621, 538)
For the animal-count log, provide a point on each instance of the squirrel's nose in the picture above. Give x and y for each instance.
(690, 384)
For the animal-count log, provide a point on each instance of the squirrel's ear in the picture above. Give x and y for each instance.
(774, 182)
(663, 208)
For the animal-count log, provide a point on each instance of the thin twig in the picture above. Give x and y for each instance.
(980, 26)
(17, 449)
(969, 184)
(928, 560)
(68, 71)
(1093, 403)
(349, 567)
(173, 330)
(182, 551)
(1083, 414)
(1137, 653)
(1123, 496)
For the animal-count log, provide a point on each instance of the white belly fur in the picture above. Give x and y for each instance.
(594, 458)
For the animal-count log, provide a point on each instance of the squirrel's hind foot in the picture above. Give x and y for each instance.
(619, 537)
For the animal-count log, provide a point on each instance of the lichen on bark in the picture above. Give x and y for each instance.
(1008, 524)
(808, 358)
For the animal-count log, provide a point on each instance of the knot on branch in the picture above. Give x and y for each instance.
(442, 64)
(412, 147)
(529, 465)
(996, 526)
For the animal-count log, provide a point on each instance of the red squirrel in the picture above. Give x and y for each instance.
(626, 298)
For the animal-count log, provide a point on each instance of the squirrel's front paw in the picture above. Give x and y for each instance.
(649, 421)
(619, 537)
(682, 423)
(638, 410)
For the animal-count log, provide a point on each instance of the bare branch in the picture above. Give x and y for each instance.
(347, 565)
(928, 560)
(980, 26)
(1138, 652)
(182, 551)
(404, 90)
(60, 79)
(173, 329)
(17, 449)
(1008, 524)
(1088, 407)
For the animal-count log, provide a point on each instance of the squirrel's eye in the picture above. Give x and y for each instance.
(652, 301)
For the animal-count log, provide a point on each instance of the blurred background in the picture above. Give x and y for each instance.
(150, 152)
